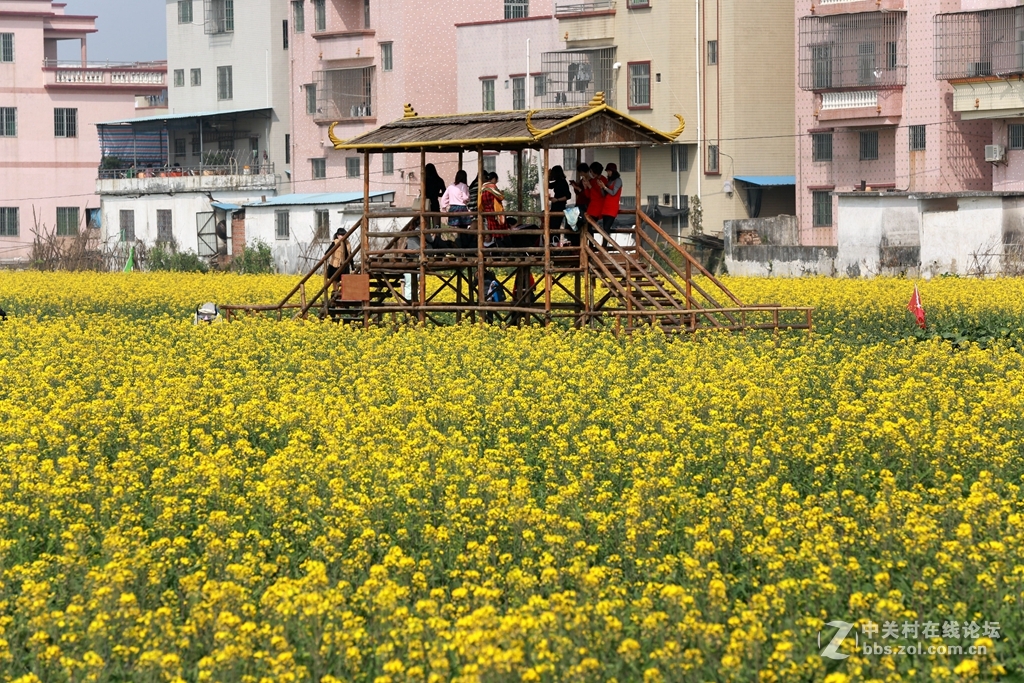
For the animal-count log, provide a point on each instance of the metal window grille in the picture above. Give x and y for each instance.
(917, 138)
(839, 51)
(287, 148)
(639, 85)
(6, 47)
(680, 158)
(323, 224)
(519, 93)
(127, 217)
(517, 9)
(179, 78)
(184, 11)
(573, 77)
(320, 15)
(1015, 133)
(637, 4)
(8, 221)
(569, 162)
(196, 77)
(712, 158)
(627, 160)
(366, 13)
(180, 147)
(319, 168)
(311, 98)
(8, 122)
(387, 56)
(821, 147)
(225, 83)
(196, 147)
(65, 123)
(284, 33)
(821, 203)
(973, 44)
(487, 87)
(869, 145)
(388, 163)
(164, 225)
(490, 163)
(299, 16)
(712, 52)
(282, 227)
(627, 202)
(345, 93)
(353, 167)
(220, 16)
(67, 220)
(539, 86)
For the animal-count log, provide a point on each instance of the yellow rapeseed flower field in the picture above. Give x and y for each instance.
(280, 501)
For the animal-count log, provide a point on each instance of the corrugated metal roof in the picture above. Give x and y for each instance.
(767, 180)
(178, 117)
(322, 198)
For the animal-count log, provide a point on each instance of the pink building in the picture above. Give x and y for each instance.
(49, 146)
(874, 110)
(358, 63)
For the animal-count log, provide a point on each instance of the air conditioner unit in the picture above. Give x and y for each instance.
(995, 153)
(976, 69)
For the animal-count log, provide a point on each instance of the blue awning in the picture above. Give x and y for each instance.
(224, 206)
(768, 180)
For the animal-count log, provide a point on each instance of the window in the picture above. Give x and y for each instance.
(353, 166)
(179, 78)
(638, 4)
(196, 77)
(345, 93)
(196, 149)
(519, 93)
(487, 85)
(284, 33)
(67, 220)
(319, 168)
(184, 11)
(323, 224)
(640, 85)
(627, 160)
(225, 85)
(65, 123)
(387, 59)
(226, 142)
(287, 148)
(540, 86)
(8, 221)
(127, 225)
(866, 63)
(281, 220)
(8, 122)
(366, 13)
(220, 16)
(490, 163)
(299, 16)
(869, 145)
(179, 147)
(917, 138)
(389, 163)
(680, 158)
(627, 202)
(712, 159)
(311, 98)
(1015, 133)
(6, 47)
(164, 230)
(822, 209)
(517, 9)
(821, 146)
(890, 55)
(712, 52)
(821, 66)
(319, 15)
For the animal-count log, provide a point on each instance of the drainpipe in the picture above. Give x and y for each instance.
(700, 134)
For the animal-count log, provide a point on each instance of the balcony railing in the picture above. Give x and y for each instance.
(568, 10)
(572, 78)
(168, 179)
(106, 73)
(849, 99)
(976, 44)
(853, 50)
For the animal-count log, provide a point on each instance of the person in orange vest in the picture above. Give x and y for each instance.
(612, 196)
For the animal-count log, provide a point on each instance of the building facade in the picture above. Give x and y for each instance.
(357, 63)
(49, 145)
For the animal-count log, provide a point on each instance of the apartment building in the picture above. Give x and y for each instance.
(721, 65)
(357, 63)
(49, 146)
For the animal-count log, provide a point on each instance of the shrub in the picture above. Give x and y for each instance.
(255, 259)
(166, 258)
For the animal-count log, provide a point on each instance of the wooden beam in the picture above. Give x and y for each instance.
(421, 284)
(547, 237)
(481, 288)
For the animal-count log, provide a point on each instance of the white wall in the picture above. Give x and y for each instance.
(298, 253)
(960, 242)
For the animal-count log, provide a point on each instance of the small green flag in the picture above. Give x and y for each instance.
(130, 266)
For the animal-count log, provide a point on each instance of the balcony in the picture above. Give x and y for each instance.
(982, 44)
(573, 77)
(166, 180)
(334, 45)
(824, 8)
(865, 50)
(147, 77)
(345, 94)
(566, 11)
(860, 107)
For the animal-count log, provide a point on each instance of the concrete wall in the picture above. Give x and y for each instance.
(301, 250)
(778, 254)
(963, 242)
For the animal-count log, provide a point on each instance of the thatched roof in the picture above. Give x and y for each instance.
(595, 126)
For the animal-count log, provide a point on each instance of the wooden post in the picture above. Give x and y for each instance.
(519, 179)
(422, 284)
(364, 236)
(636, 202)
(547, 238)
(481, 288)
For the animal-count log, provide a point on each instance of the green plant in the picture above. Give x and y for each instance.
(255, 259)
(166, 258)
(531, 198)
(110, 163)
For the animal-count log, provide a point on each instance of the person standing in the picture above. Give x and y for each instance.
(595, 195)
(558, 186)
(491, 201)
(339, 259)
(612, 197)
(434, 189)
(455, 200)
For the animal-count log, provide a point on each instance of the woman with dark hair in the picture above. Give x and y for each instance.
(560, 194)
(491, 201)
(581, 186)
(454, 200)
(339, 257)
(434, 189)
(612, 196)
(595, 197)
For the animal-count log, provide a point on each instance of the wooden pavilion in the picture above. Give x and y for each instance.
(630, 276)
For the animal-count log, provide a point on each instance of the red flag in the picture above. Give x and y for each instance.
(915, 307)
